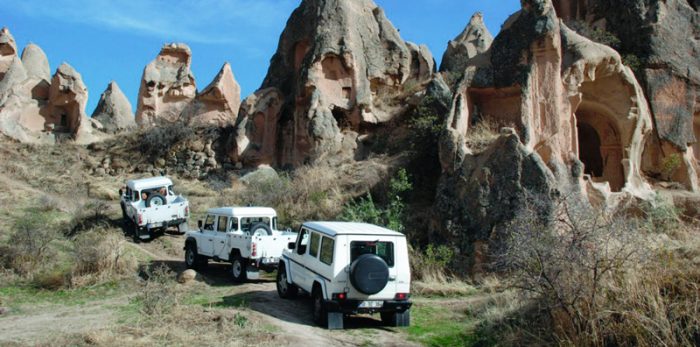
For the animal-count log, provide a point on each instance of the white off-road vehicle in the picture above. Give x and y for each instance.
(150, 204)
(247, 237)
(348, 268)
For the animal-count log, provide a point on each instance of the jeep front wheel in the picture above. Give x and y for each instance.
(285, 289)
(238, 269)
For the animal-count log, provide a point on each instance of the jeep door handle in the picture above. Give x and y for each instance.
(221, 241)
(211, 239)
(392, 278)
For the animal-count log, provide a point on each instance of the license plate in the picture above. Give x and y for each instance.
(371, 304)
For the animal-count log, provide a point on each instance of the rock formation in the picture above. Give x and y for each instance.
(474, 40)
(167, 86)
(35, 107)
(661, 37)
(113, 111)
(218, 103)
(339, 68)
(579, 120)
(35, 62)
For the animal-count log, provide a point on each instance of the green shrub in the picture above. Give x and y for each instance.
(391, 216)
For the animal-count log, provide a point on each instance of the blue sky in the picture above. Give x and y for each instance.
(114, 40)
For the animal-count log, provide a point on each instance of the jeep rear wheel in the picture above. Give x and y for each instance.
(319, 310)
(238, 269)
(285, 289)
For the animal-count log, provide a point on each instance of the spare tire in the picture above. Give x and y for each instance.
(260, 229)
(369, 274)
(155, 200)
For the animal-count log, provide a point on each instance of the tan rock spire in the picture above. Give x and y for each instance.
(113, 111)
(167, 86)
(219, 102)
(474, 40)
(35, 62)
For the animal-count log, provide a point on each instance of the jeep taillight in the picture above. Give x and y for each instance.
(340, 296)
(401, 296)
(187, 211)
(254, 250)
(140, 219)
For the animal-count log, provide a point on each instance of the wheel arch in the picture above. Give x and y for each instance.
(319, 284)
(284, 264)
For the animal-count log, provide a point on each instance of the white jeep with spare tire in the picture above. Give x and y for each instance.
(149, 205)
(246, 237)
(348, 268)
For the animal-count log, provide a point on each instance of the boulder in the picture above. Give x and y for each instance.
(167, 86)
(262, 175)
(218, 103)
(187, 276)
(339, 69)
(35, 62)
(660, 39)
(113, 111)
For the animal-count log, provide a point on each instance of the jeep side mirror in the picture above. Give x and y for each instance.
(121, 192)
(291, 245)
(199, 224)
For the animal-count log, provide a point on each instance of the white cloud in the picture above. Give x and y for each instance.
(197, 21)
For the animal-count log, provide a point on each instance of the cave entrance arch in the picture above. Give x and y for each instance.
(600, 147)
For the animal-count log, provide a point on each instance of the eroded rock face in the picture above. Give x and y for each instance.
(474, 40)
(218, 103)
(662, 36)
(580, 121)
(66, 105)
(113, 111)
(167, 86)
(339, 66)
(34, 107)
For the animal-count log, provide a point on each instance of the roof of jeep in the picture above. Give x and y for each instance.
(151, 182)
(243, 211)
(350, 228)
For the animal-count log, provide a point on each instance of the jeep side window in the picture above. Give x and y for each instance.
(327, 246)
(234, 223)
(135, 195)
(303, 241)
(209, 223)
(383, 249)
(315, 242)
(221, 226)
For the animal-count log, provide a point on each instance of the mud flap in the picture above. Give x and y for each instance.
(335, 320)
(252, 275)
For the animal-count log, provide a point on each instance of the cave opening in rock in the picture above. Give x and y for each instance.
(600, 148)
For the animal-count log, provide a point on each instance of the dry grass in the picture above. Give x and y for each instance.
(310, 193)
(481, 135)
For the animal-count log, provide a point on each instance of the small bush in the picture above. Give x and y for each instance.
(29, 244)
(157, 141)
(391, 216)
(90, 215)
(100, 256)
(661, 216)
(159, 294)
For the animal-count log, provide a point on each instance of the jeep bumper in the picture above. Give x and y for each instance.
(354, 306)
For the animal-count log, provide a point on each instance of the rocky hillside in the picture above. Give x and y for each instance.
(593, 99)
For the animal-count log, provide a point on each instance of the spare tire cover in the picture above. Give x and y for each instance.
(260, 229)
(369, 274)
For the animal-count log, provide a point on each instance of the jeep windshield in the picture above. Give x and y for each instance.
(383, 249)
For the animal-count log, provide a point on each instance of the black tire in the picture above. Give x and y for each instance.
(319, 310)
(192, 259)
(285, 289)
(397, 319)
(124, 216)
(238, 269)
(156, 200)
(369, 274)
(135, 232)
(260, 229)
